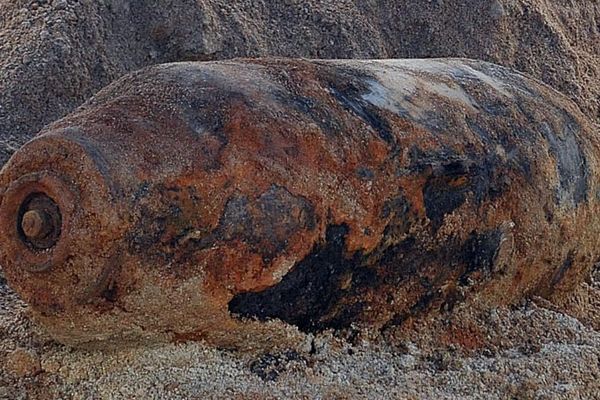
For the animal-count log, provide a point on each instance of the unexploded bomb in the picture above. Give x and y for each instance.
(195, 200)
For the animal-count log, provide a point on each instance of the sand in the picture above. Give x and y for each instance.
(65, 51)
(529, 352)
(56, 54)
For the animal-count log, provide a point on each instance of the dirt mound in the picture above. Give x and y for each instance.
(526, 353)
(66, 50)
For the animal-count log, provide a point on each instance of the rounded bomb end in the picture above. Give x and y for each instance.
(54, 214)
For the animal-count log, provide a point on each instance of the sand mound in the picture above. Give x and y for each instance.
(529, 352)
(67, 50)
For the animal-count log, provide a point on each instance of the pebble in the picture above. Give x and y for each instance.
(23, 363)
(497, 10)
(51, 365)
(60, 4)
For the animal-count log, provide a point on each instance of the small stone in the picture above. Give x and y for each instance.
(51, 365)
(23, 363)
(60, 4)
(4, 392)
(497, 10)
(407, 362)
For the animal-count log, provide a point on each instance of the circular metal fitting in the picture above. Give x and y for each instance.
(39, 207)
(40, 221)
(35, 224)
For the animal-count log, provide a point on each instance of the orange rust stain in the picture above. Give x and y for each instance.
(468, 338)
(377, 151)
(413, 191)
(460, 181)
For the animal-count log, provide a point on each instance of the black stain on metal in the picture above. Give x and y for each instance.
(267, 223)
(452, 178)
(445, 191)
(365, 173)
(479, 253)
(236, 221)
(147, 233)
(160, 220)
(208, 126)
(320, 305)
(571, 161)
(561, 137)
(423, 303)
(397, 206)
(505, 139)
(433, 121)
(348, 86)
(350, 98)
(319, 276)
(560, 273)
(312, 109)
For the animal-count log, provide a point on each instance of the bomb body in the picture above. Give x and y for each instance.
(195, 200)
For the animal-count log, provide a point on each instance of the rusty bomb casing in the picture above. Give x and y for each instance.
(195, 200)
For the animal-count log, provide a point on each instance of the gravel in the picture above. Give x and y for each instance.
(529, 352)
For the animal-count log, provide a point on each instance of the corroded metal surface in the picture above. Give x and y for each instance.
(195, 200)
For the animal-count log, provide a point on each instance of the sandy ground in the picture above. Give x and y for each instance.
(55, 54)
(528, 352)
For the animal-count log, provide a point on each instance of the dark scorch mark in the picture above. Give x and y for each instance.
(572, 165)
(479, 253)
(308, 291)
(445, 191)
(266, 223)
